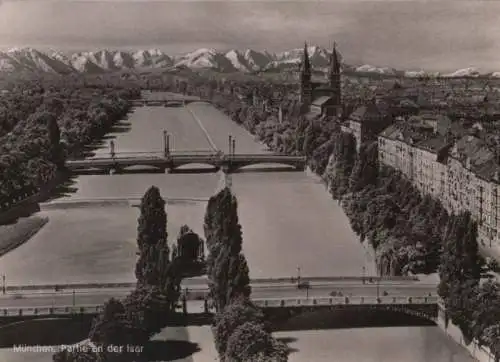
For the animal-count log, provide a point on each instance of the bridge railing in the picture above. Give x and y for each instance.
(277, 281)
(325, 301)
(145, 154)
(18, 288)
(47, 311)
(263, 303)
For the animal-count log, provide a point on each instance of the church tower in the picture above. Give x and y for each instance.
(305, 80)
(334, 76)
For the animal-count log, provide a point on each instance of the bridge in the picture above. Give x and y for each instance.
(170, 161)
(423, 307)
(166, 102)
(281, 296)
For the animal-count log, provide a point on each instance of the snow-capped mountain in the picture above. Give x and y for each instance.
(466, 72)
(206, 58)
(291, 59)
(372, 69)
(19, 59)
(248, 61)
(150, 58)
(420, 73)
(32, 60)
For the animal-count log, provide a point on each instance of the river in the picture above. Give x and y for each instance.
(288, 222)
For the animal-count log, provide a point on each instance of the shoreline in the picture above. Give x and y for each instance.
(21, 232)
(479, 354)
(476, 352)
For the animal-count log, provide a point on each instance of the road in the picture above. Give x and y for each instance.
(82, 297)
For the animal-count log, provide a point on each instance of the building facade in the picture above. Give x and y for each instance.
(463, 173)
(365, 123)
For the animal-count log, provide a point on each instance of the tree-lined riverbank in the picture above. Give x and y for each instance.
(285, 214)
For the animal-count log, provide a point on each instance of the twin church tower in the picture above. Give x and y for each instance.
(329, 91)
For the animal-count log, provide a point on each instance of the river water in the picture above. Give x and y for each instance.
(288, 222)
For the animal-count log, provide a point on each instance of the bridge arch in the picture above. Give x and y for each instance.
(191, 165)
(350, 316)
(240, 166)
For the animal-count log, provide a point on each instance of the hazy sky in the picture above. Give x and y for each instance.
(435, 35)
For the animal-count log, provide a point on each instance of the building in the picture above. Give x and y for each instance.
(417, 152)
(365, 123)
(311, 92)
(462, 173)
(324, 106)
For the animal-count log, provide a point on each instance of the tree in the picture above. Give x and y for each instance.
(154, 253)
(227, 269)
(342, 163)
(491, 337)
(365, 169)
(486, 309)
(78, 356)
(251, 342)
(148, 307)
(235, 314)
(113, 327)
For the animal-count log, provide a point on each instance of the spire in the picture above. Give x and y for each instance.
(305, 80)
(334, 62)
(306, 65)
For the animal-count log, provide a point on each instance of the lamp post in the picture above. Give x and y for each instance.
(298, 275)
(230, 138)
(112, 148)
(166, 143)
(74, 298)
(234, 145)
(3, 284)
(363, 278)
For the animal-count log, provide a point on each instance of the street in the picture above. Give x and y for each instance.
(67, 298)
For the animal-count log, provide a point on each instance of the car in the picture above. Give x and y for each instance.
(303, 285)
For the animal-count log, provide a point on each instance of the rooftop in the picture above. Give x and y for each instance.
(368, 112)
(321, 100)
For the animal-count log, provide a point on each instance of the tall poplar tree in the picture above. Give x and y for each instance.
(226, 266)
(152, 266)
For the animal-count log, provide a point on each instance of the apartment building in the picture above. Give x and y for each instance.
(365, 123)
(463, 175)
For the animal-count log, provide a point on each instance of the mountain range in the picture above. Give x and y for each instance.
(248, 61)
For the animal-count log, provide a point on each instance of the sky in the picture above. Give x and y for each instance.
(406, 34)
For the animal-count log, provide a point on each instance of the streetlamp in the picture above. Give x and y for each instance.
(166, 143)
(112, 148)
(3, 284)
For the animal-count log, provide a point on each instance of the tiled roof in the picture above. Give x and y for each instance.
(489, 170)
(474, 149)
(321, 100)
(405, 132)
(433, 144)
(368, 112)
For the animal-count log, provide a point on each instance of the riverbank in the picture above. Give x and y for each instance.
(28, 205)
(479, 353)
(14, 235)
(404, 228)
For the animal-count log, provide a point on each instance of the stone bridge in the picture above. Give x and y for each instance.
(171, 161)
(422, 307)
(164, 102)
